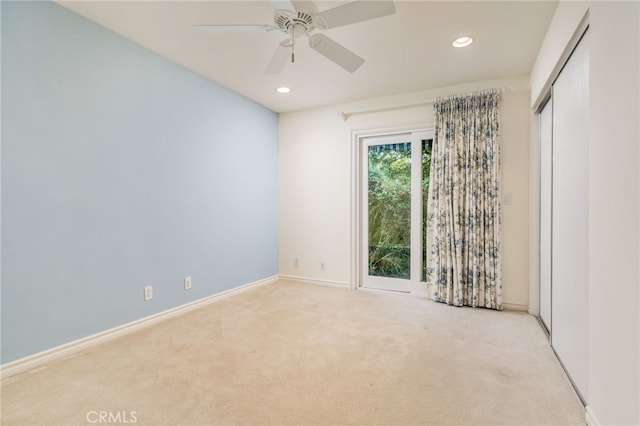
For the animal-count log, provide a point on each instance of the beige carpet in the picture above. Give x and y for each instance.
(299, 354)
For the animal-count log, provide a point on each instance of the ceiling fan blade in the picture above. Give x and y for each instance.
(356, 11)
(294, 6)
(335, 52)
(282, 5)
(232, 28)
(279, 58)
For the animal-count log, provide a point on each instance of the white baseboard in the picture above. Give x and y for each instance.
(340, 284)
(41, 358)
(590, 418)
(416, 290)
(515, 306)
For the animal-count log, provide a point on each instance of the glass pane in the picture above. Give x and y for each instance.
(390, 210)
(427, 146)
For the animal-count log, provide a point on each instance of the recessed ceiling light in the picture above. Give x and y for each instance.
(283, 89)
(463, 41)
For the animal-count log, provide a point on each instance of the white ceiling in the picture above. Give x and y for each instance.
(405, 52)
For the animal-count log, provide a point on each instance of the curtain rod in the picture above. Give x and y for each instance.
(346, 114)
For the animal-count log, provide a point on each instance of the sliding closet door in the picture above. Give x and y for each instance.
(570, 214)
(546, 131)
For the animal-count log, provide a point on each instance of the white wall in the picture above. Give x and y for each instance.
(563, 25)
(315, 179)
(614, 198)
(614, 213)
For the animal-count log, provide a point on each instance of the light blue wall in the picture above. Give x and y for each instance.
(121, 169)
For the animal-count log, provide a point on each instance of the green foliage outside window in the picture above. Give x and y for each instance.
(389, 211)
(390, 208)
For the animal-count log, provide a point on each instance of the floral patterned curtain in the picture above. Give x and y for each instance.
(464, 266)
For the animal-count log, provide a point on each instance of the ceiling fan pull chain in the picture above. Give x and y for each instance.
(293, 44)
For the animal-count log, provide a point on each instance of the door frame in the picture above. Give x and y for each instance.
(545, 155)
(356, 248)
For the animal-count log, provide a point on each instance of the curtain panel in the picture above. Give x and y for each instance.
(464, 266)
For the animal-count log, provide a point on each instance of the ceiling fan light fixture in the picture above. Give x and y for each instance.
(283, 89)
(463, 41)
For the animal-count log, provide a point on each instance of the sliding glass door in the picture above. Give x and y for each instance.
(394, 194)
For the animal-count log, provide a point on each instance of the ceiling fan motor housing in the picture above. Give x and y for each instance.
(294, 23)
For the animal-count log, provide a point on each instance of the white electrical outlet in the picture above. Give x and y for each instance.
(323, 266)
(296, 262)
(148, 293)
(187, 283)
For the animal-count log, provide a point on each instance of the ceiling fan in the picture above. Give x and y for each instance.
(302, 18)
